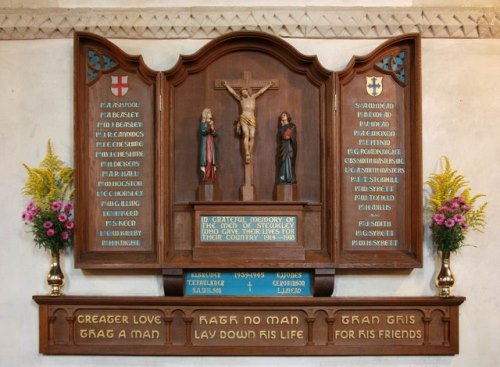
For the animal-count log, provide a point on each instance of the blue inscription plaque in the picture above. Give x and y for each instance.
(247, 283)
(248, 228)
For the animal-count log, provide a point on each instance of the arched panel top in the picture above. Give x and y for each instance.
(249, 41)
(394, 57)
(103, 57)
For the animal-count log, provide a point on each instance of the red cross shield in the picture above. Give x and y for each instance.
(119, 85)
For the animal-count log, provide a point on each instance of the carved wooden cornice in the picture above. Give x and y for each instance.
(211, 22)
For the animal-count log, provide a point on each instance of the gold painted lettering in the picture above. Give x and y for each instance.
(238, 334)
(147, 319)
(291, 334)
(96, 334)
(267, 334)
(401, 319)
(218, 320)
(205, 334)
(284, 320)
(144, 334)
(255, 320)
(344, 334)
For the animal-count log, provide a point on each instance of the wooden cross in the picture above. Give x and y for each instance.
(246, 82)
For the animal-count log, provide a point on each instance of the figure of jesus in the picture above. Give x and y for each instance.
(247, 123)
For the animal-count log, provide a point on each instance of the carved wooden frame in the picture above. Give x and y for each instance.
(331, 252)
(84, 255)
(410, 253)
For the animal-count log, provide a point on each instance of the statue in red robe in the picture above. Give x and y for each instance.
(207, 146)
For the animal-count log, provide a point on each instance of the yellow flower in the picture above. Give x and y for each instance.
(50, 182)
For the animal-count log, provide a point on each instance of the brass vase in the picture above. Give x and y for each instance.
(445, 279)
(55, 277)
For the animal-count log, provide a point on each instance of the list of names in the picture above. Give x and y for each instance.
(120, 150)
(373, 174)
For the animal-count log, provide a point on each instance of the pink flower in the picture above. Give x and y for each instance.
(70, 225)
(444, 209)
(32, 208)
(464, 225)
(68, 207)
(438, 218)
(454, 207)
(50, 232)
(28, 216)
(449, 223)
(65, 235)
(62, 217)
(56, 205)
(48, 224)
(460, 200)
(465, 207)
(459, 218)
(31, 211)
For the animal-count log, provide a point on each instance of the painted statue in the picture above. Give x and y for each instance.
(208, 160)
(287, 149)
(247, 122)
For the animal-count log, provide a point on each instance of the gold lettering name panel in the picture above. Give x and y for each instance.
(379, 173)
(262, 326)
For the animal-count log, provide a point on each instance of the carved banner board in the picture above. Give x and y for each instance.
(353, 200)
(242, 326)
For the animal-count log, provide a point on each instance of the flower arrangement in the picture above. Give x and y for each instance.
(50, 211)
(453, 209)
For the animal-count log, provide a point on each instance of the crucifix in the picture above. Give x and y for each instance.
(247, 123)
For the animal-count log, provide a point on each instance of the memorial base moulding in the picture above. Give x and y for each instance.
(242, 326)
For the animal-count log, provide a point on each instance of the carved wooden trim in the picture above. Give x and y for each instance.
(296, 22)
(249, 326)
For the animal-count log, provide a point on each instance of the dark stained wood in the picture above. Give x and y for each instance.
(318, 101)
(323, 283)
(247, 190)
(93, 87)
(400, 215)
(286, 192)
(191, 85)
(301, 326)
(208, 192)
(173, 282)
(302, 87)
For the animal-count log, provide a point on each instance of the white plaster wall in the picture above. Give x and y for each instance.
(461, 119)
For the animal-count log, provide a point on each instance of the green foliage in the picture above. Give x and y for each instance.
(53, 242)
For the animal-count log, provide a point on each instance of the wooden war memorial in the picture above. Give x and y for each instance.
(248, 175)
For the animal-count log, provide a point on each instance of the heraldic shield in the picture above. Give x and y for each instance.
(119, 85)
(374, 85)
